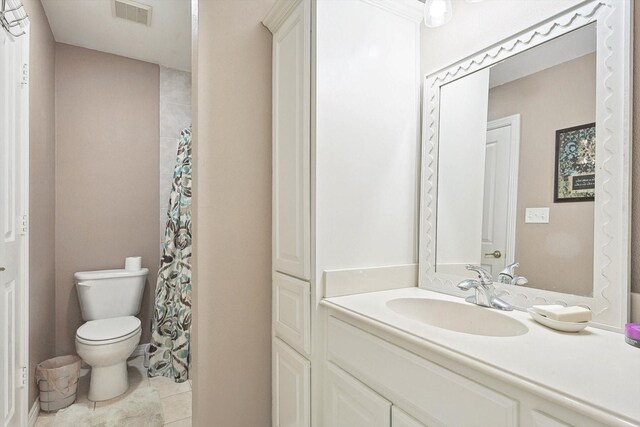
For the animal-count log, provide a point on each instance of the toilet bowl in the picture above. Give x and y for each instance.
(109, 301)
(105, 345)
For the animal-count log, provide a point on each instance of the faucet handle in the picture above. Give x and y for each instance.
(521, 280)
(509, 276)
(483, 275)
(510, 270)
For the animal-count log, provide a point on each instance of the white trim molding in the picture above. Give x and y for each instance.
(34, 412)
(279, 13)
(610, 300)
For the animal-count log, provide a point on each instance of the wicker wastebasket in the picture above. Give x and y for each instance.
(57, 380)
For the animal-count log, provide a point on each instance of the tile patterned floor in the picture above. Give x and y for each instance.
(175, 397)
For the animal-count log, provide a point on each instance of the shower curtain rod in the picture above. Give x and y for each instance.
(16, 9)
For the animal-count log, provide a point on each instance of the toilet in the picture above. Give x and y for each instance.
(109, 301)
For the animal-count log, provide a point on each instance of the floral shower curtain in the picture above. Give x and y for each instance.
(171, 327)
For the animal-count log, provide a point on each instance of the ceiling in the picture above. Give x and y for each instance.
(92, 24)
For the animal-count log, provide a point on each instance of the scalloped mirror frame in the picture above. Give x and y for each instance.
(611, 288)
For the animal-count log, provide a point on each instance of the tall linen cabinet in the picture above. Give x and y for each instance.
(346, 152)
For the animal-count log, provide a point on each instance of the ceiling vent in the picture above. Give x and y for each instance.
(132, 11)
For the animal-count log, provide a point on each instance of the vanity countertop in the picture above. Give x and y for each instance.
(594, 367)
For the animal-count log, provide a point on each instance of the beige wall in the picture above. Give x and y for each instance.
(557, 256)
(475, 26)
(232, 239)
(107, 194)
(41, 189)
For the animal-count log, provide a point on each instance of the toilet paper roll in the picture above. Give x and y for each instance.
(132, 263)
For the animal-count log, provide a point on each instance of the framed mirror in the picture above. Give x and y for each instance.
(526, 158)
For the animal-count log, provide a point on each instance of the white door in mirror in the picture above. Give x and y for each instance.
(495, 215)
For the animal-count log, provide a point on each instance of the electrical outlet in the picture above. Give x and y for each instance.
(536, 216)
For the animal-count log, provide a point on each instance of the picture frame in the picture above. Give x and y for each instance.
(575, 164)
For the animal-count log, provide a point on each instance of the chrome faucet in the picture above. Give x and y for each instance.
(509, 277)
(485, 293)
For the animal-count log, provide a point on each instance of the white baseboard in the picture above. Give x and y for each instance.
(33, 413)
(139, 351)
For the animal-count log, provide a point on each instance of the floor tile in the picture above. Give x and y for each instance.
(182, 423)
(176, 407)
(168, 387)
(45, 420)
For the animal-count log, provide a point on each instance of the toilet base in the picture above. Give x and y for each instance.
(108, 382)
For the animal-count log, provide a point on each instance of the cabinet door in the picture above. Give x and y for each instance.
(291, 387)
(399, 418)
(349, 403)
(291, 144)
(540, 419)
(292, 312)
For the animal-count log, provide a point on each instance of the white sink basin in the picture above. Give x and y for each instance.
(458, 317)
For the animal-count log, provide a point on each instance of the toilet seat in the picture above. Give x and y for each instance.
(108, 331)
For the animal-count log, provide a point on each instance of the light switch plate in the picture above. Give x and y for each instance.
(536, 216)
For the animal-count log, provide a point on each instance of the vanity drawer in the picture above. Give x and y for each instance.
(399, 418)
(434, 395)
(292, 312)
(539, 413)
(540, 419)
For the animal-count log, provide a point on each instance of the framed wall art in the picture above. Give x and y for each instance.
(575, 167)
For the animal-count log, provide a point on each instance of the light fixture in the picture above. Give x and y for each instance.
(437, 12)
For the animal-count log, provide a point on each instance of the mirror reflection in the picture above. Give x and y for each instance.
(516, 167)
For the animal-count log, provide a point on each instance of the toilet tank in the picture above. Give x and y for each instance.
(110, 293)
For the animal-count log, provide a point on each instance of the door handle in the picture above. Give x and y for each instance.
(2, 269)
(495, 254)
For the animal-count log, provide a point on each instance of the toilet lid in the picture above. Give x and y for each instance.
(108, 329)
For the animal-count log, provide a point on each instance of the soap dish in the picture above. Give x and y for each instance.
(556, 324)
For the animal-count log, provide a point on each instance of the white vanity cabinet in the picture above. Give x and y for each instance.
(349, 403)
(345, 113)
(291, 213)
(425, 388)
(439, 395)
(399, 418)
